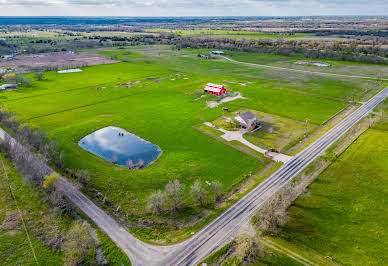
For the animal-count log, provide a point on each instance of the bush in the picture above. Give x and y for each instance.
(77, 243)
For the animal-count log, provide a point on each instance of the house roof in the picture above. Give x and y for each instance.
(248, 116)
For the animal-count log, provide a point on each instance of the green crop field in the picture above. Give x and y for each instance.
(343, 215)
(158, 104)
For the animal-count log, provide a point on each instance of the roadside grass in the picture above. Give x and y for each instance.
(39, 217)
(160, 109)
(342, 216)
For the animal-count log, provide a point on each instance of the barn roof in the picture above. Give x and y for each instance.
(214, 87)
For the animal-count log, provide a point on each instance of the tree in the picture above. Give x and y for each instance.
(83, 176)
(216, 188)
(199, 193)
(77, 244)
(175, 192)
(23, 80)
(156, 202)
(39, 75)
(50, 180)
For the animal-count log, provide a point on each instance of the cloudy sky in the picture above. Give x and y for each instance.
(191, 7)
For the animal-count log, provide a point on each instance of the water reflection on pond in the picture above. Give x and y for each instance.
(120, 147)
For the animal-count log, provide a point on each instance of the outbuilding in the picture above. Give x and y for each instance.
(248, 120)
(215, 89)
(217, 52)
(8, 86)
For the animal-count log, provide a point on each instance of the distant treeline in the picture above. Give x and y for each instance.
(333, 32)
(345, 51)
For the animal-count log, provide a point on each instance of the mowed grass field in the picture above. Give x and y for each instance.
(161, 108)
(343, 214)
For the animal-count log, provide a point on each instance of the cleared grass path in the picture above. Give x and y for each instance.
(300, 70)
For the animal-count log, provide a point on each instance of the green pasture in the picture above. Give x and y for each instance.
(343, 214)
(161, 108)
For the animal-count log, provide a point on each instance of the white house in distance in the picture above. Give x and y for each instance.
(217, 52)
(8, 86)
(247, 120)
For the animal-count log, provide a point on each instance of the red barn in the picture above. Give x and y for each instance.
(215, 89)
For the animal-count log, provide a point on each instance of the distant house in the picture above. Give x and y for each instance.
(247, 120)
(8, 56)
(8, 86)
(215, 89)
(209, 57)
(217, 52)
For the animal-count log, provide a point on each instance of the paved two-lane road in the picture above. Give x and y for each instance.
(223, 228)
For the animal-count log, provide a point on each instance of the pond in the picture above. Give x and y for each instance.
(121, 147)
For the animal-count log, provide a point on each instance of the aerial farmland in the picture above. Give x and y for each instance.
(165, 138)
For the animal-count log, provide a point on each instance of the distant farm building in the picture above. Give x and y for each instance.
(217, 52)
(248, 120)
(215, 89)
(8, 86)
(8, 56)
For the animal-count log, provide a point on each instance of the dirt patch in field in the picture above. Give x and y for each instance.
(52, 61)
(130, 84)
(11, 221)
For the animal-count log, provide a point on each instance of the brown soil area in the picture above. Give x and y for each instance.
(47, 61)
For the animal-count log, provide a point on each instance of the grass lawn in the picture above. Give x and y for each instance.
(343, 215)
(160, 107)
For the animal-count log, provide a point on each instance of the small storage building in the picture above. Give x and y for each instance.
(215, 89)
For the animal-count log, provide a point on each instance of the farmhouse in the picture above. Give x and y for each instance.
(247, 120)
(215, 89)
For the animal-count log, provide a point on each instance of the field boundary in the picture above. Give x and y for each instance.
(300, 70)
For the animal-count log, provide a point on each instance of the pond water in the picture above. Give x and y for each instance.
(121, 147)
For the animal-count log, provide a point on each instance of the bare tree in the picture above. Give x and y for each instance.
(156, 202)
(129, 164)
(216, 187)
(113, 159)
(39, 75)
(175, 192)
(199, 193)
(83, 176)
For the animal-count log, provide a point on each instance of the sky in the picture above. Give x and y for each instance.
(192, 7)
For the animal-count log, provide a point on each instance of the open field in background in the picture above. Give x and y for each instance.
(248, 35)
(343, 215)
(336, 67)
(160, 108)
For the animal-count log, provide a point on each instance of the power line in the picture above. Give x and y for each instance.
(20, 212)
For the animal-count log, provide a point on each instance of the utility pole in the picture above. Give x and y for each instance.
(307, 127)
